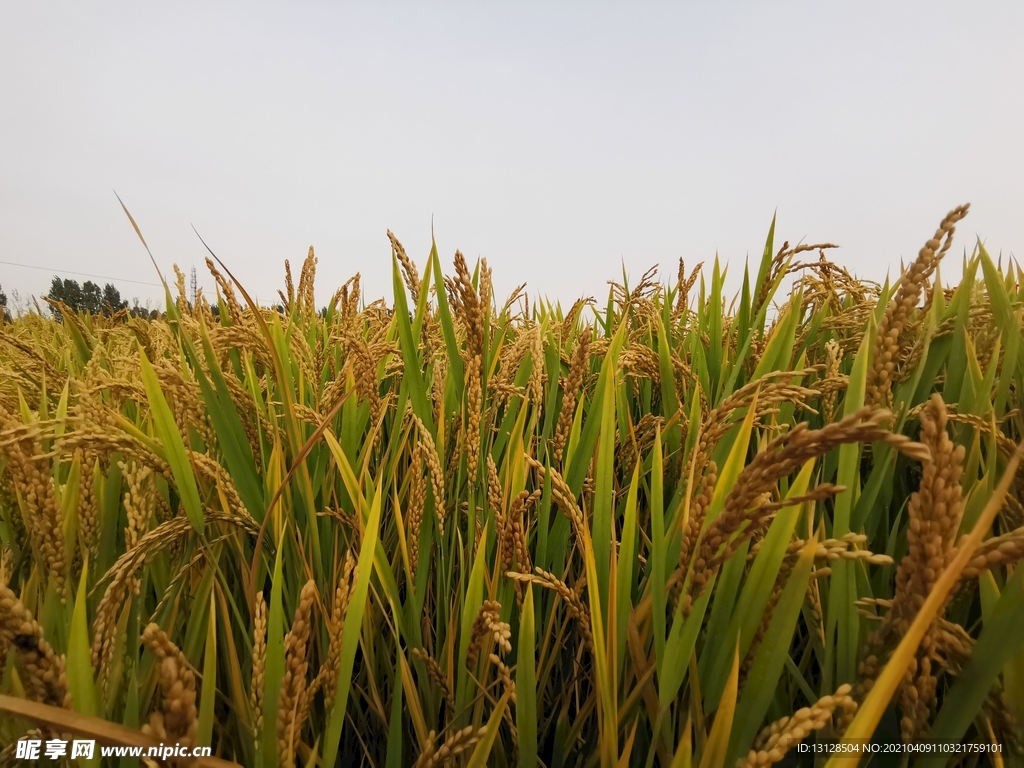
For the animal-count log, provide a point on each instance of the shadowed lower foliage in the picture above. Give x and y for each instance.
(668, 529)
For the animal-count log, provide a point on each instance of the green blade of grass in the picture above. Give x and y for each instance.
(842, 615)
(659, 556)
(626, 560)
(526, 685)
(483, 747)
(753, 599)
(228, 424)
(395, 742)
(208, 695)
(177, 458)
(353, 623)
(716, 751)
(763, 678)
(601, 525)
(79, 667)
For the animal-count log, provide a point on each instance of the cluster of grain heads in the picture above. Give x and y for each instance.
(27, 481)
(777, 739)
(669, 528)
(42, 671)
(744, 514)
(470, 309)
(456, 744)
(259, 666)
(888, 347)
(177, 718)
(934, 514)
(293, 702)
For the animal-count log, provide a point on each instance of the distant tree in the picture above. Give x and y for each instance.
(66, 291)
(3, 304)
(88, 297)
(112, 301)
(92, 298)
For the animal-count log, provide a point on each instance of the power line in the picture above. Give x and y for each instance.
(81, 274)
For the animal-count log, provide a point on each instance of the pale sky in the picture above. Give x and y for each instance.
(558, 140)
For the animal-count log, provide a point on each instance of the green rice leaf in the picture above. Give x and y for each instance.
(167, 431)
(79, 664)
(353, 622)
(526, 685)
(208, 694)
(483, 747)
(763, 678)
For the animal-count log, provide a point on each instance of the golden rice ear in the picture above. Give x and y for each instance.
(409, 271)
(894, 672)
(780, 737)
(178, 718)
(331, 666)
(42, 671)
(259, 666)
(293, 699)
(458, 743)
(888, 353)
(32, 491)
(934, 514)
(573, 385)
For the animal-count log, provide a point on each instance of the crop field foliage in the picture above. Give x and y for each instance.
(668, 528)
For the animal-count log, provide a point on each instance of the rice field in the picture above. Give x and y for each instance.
(669, 528)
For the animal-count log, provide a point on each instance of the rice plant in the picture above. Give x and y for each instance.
(667, 529)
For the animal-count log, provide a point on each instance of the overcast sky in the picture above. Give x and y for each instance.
(558, 140)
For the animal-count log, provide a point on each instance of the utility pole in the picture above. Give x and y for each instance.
(194, 285)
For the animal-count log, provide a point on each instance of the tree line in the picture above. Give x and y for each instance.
(87, 297)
